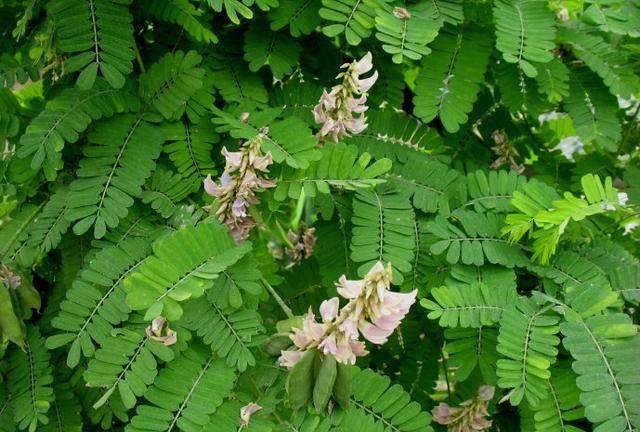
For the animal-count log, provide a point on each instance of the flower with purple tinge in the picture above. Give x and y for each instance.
(288, 358)
(239, 184)
(329, 309)
(246, 412)
(372, 311)
(470, 416)
(341, 111)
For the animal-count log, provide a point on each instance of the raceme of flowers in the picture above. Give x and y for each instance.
(239, 184)
(342, 111)
(470, 416)
(372, 310)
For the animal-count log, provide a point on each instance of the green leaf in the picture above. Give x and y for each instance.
(605, 349)
(116, 165)
(525, 33)
(96, 35)
(383, 230)
(183, 266)
(527, 342)
(449, 80)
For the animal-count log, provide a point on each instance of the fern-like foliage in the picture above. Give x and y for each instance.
(15, 233)
(354, 18)
(429, 183)
(612, 16)
(277, 50)
(527, 342)
(376, 404)
(593, 110)
(488, 192)
(477, 239)
(183, 266)
(562, 404)
(6, 414)
(126, 361)
(185, 393)
(604, 349)
(234, 80)
(525, 33)
(165, 189)
(446, 11)
(184, 14)
(518, 92)
(553, 80)
(585, 285)
(617, 264)
(171, 81)
(471, 348)
(450, 77)
(599, 56)
(98, 36)
(229, 332)
(64, 119)
(340, 166)
(383, 230)
(552, 216)
(65, 410)
(395, 136)
(115, 167)
(30, 379)
(475, 305)
(95, 301)
(190, 148)
(46, 231)
(405, 34)
(301, 16)
(238, 285)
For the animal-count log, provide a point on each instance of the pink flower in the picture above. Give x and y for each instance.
(367, 83)
(246, 412)
(329, 309)
(328, 345)
(373, 333)
(335, 110)
(365, 64)
(349, 289)
(288, 359)
(238, 186)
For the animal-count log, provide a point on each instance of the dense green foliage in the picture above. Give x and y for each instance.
(499, 176)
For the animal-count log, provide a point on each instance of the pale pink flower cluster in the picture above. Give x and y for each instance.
(341, 111)
(155, 332)
(470, 416)
(372, 310)
(239, 184)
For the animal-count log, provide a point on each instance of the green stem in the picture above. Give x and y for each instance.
(286, 309)
(139, 58)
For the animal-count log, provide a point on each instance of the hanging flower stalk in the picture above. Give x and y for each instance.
(470, 416)
(372, 310)
(239, 184)
(342, 111)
